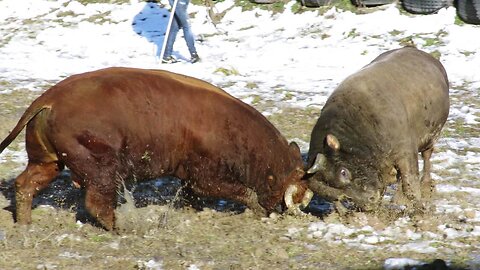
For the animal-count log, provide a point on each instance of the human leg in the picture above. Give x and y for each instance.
(181, 16)
(167, 56)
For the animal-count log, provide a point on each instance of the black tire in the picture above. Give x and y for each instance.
(371, 3)
(469, 11)
(423, 6)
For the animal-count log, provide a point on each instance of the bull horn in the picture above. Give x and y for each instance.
(318, 164)
(307, 197)
(288, 197)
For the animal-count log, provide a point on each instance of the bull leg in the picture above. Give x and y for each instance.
(34, 178)
(100, 202)
(399, 197)
(408, 189)
(250, 199)
(427, 183)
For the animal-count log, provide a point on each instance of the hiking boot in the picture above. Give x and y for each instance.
(169, 60)
(195, 58)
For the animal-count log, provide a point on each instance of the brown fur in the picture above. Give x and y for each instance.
(119, 123)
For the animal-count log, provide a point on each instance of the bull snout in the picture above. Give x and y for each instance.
(367, 201)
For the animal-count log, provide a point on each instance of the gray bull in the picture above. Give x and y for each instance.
(374, 124)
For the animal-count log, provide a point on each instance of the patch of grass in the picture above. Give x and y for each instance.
(458, 128)
(276, 7)
(252, 85)
(66, 14)
(353, 33)
(407, 41)
(315, 32)
(441, 33)
(458, 21)
(6, 85)
(226, 84)
(202, 2)
(256, 99)
(86, 2)
(437, 40)
(296, 8)
(6, 39)
(436, 54)
(101, 238)
(431, 42)
(311, 31)
(246, 28)
(467, 53)
(295, 122)
(100, 18)
(226, 71)
(246, 5)
(396, 32)
(288, 96)
(344, 5)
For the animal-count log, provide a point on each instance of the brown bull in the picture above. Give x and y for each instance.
(123, 123)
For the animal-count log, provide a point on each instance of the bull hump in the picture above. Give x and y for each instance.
(126, 72)
(201, 84)
(193, 82)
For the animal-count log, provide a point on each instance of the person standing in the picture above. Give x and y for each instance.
(180, 20)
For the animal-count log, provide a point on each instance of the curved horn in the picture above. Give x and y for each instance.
(318, 164)
(307, 197)
(288, 197)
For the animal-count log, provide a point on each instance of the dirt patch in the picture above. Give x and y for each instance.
(164, 237)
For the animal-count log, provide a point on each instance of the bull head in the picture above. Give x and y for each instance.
(342, 175)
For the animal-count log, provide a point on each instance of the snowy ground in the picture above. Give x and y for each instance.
(273, 62)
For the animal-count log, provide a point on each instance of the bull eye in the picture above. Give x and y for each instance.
(345, 173)
(344, 176)
(270, 178)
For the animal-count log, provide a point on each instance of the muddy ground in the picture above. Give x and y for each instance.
(162, 233)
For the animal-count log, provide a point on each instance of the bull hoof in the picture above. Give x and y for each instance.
(418, 208)
(427, 191)
(400, 199)
(341, 209)
(109, 226)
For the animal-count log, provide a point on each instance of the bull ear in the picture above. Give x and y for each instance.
(294, 147)
(333, 142)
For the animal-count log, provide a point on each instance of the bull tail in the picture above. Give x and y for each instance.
(29, 114)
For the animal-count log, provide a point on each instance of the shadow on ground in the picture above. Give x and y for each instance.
(61, 194)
